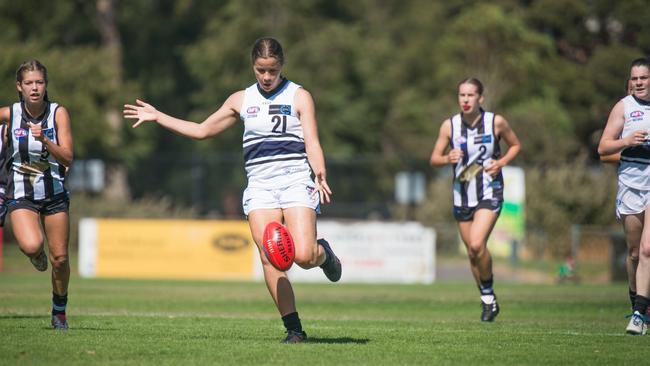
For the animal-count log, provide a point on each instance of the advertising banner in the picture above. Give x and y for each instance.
(166, 249)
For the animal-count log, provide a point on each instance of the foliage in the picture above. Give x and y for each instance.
(567, 194)
(383, 75)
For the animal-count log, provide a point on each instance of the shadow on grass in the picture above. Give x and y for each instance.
(21, 316)
(338, 340)
(80, 328)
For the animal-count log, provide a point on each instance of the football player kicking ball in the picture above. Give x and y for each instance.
(282, 152)
(473, 136)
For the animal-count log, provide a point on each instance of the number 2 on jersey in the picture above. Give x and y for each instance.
(279, 120)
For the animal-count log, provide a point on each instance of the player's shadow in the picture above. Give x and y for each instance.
(19, 316)
(337, 340)
(46, 318)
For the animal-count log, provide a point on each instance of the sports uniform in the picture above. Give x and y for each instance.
(481, 145)
(634, 169)
(36, 180)
(3, 173)
(279, 175)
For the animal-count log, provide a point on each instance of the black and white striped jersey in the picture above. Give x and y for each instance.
(481, 144)
(634, 168)
(33, 172)
(274, 145)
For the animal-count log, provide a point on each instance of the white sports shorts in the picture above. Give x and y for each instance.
(300, 194)
(631, 201)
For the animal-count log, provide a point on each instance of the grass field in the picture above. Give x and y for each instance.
(136, 322)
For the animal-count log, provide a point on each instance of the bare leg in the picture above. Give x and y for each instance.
(57, 230)
(643, 269)
(301, 222)
(475, 234)
(27, 229)
(633, 227)
(277, 281)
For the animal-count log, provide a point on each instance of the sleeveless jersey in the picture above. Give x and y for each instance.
(480, 141)
(274, 145)
(33, 172)
(3, 159)
(634, 168)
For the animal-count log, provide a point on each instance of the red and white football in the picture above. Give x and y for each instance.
(278, 247)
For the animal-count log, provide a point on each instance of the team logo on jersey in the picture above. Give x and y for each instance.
(20, 133)
(280, 109)
(310, 190)
(251, 112)
(482, 139)
(636, 114)
(49, 133)
(461, 140)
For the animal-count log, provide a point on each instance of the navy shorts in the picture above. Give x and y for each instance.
(467, 213)
(48, 206)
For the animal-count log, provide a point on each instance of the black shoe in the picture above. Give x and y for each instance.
(490, 311)
(332, 265)
(295, 337)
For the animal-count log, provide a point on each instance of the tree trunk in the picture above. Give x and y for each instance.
(116, 175)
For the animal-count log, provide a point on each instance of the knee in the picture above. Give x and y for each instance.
(59, 262)
(475, 249)
(306, 259)
(644, 251)
(31, 249)
(633, 254)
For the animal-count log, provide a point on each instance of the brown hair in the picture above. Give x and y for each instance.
(267, 47)
(474, 81)
(641, 61)
(30, 65)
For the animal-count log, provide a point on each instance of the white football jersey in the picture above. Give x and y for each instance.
(634, 168)
(274, 145)
(33, 172)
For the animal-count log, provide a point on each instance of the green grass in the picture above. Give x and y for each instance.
(137, 322)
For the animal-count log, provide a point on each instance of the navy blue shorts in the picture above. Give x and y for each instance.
(48, 206)
(467, 213)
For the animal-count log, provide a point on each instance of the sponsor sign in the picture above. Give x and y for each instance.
(166, 249)
(376, 252)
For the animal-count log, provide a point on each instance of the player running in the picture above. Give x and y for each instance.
(626, 133)
(39, 148)
(473, 136)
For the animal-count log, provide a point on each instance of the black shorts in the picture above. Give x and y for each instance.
(48, 206)
(467, 213)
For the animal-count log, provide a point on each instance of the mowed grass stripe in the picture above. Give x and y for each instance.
(146, 322)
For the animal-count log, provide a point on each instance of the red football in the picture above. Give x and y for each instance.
(278, 246)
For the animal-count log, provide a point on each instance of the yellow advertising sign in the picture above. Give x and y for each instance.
(167, 249)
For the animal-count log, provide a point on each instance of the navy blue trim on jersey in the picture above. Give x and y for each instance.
(274, 159)
(274, 135)
(464, 121)
(641, 101)
(277, 90)
(273, 148)
(636, 154)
